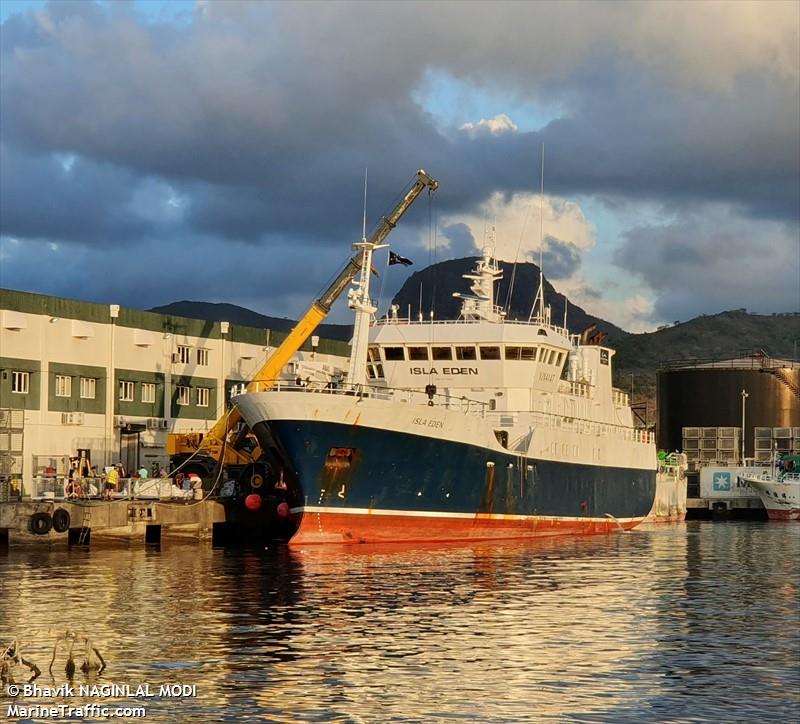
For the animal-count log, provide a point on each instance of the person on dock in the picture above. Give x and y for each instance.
(112, 482)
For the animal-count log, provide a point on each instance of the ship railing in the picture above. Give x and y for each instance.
(580, 389)
(583, 426)
(620, 398)
(386, 321)
(407, 396)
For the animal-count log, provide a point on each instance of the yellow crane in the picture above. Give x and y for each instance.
(216, 445)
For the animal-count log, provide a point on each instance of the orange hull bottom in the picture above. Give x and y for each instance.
(349, 528)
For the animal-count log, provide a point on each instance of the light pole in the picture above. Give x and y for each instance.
(744, 397)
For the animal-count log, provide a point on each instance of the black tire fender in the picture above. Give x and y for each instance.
(40, 523)
(61, 520)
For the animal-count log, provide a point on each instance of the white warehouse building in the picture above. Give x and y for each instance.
(109, 383)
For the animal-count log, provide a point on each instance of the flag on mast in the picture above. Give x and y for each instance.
(397, 259)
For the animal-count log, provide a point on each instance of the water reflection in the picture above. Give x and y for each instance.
(664, 622)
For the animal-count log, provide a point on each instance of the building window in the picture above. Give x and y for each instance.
(148, 392)
(184, 354)
(63, 386)
(125, 391)
(88, 388)
(490, 353)
(203, 396)
(417, 353)
(202, 357)
(183, 395)
(465, 353)
(20, 381)
(440, 353)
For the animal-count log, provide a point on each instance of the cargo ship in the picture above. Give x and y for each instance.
(477, 428)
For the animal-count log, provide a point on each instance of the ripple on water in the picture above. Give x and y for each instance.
(694, 622)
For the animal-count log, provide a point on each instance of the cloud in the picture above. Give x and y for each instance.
(501, 123)
(561, 259)
(512, 225)
(460, 241)
(714, 259)
(245, 129)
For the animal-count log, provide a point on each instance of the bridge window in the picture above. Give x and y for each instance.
(393, 354)
(521, 353)
(490, 352)
(442, 352)
(418, 353)
(465, 353)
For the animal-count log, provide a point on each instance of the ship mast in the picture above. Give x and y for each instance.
(359, 301)
(538, 303)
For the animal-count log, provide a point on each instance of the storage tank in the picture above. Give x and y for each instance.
(708, 394)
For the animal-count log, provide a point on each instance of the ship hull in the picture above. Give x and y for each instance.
(357, 484)
(780, 498)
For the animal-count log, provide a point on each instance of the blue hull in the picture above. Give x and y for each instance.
(353, 468)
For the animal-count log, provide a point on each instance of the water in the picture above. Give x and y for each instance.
(688, 622)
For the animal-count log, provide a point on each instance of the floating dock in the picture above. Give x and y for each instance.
(89, 522)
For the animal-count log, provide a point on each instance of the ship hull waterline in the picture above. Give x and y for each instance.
(390, 487)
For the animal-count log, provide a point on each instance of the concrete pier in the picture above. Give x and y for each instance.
(92, 522)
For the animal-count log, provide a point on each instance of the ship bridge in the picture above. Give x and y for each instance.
(510, 365)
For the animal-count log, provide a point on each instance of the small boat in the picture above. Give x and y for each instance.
(779, 490)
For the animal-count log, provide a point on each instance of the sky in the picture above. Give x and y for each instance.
(215, 151)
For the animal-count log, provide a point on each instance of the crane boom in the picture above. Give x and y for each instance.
(266, 376)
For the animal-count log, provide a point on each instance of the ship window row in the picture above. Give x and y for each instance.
(545, 355)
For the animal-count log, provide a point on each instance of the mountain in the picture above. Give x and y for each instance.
(220, 312)
(438, 281)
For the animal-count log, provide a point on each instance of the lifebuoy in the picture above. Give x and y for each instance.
(256, 481)
(61, 520)
(40, 523)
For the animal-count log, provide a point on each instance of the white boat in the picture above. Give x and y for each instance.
(475, 428)
(779, 492)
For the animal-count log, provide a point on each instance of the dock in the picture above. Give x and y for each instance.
(58, 523)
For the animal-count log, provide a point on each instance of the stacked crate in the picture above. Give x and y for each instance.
(711, 445)
(762, 444)
(708, 445)
(728, 445)
(783, 440)
(691, 446)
